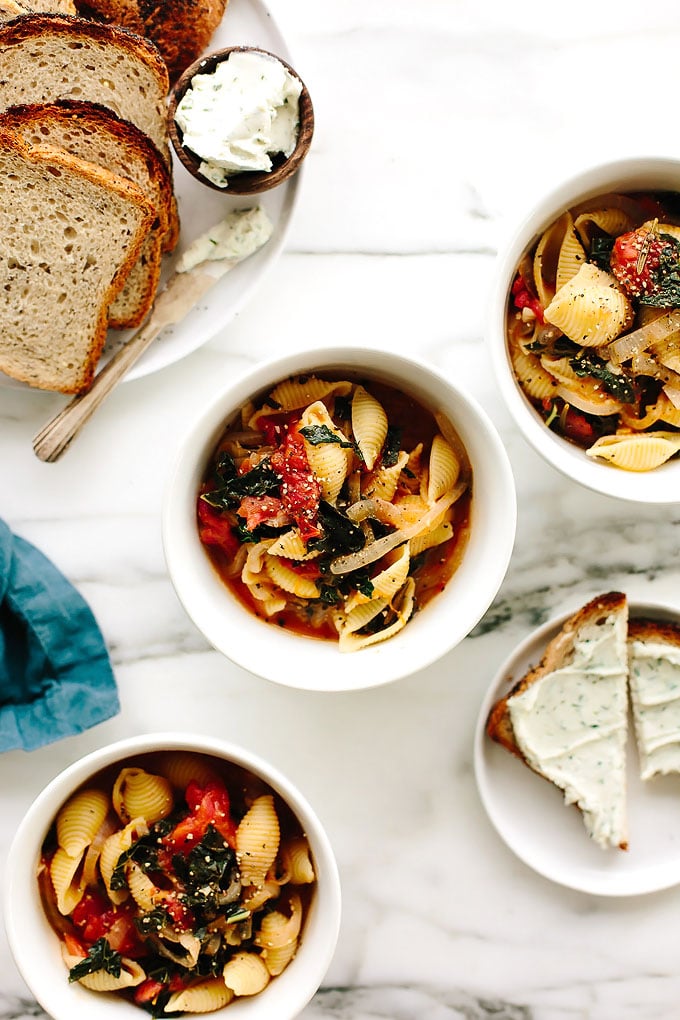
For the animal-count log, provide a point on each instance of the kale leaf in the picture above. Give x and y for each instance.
(620, 386)
(100, 956)
(340, 534)
(206, 871)
(392, 446)
(261, 480)
(601, 251)
(317, 434)
(666, 294)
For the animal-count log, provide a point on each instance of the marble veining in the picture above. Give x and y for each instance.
(437, 125)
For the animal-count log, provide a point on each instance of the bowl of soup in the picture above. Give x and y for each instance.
(584, 329)
(172, 874)
(336, 520)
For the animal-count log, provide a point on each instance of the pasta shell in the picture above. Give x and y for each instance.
(288, 580)
(79, 820)
(546, 258)
(383, 483)
(349, 642)
(387, 582)
(204, 997)
(181, 767)
(292, 546)
(532, 377)
(590, 309)
(369, 424)
(276, 960)
(330, 462)
(349, 622)
(277, 929)
(571, 257)
(140, 794)
(257, 840)
(609, 221)
(131, 974)
(68, 889)
(442, 533)
(144, 892)
(641, 452)
(116, 844)
(443, 469)
(297, 861)
(246, 974)
(301, 391)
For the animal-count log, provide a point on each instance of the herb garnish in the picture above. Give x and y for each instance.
(666, 294)
(100, 956)
(601, 251)
(340, 534)
(392, 446)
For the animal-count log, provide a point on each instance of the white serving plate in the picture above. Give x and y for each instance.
(530, 816)
(249, 23)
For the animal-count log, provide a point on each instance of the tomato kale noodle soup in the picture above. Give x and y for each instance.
(336, 508)
(594, 328)
(177, 880)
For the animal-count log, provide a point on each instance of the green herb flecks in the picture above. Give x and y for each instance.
(666, 294)
(100, 956)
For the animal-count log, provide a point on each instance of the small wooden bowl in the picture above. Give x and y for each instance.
(248, 182)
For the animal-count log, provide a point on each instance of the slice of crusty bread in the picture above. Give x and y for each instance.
(654, 680)
(70, 232)
(46, 57)
(567, 717)
(181, 30)
(96, 134)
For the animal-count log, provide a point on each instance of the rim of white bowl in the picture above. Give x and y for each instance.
(316, 664)
(649, 173)
(31, 937)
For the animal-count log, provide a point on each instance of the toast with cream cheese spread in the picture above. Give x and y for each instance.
(567, 717)
(654, 679)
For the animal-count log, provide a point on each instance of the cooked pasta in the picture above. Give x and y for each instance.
(594, 328)
(257, 841)
(137, 794)
(189, 912)
(315, 518)
(80, 819)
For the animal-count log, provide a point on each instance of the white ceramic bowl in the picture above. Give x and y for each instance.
(649, 173)
(313, 664)
(35, 946)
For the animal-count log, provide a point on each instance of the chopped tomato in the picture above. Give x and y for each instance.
(74, 945)
(95, 918)
(300, 492)
(275, 427)
(577, 428)
(214, 529)
(150, 989)
(635, 259)
(523, 298)
(208, 805)
(260, 510)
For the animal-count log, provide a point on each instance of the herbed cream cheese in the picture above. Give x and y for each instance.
(655, 695)
(238, 116)
(571, 726)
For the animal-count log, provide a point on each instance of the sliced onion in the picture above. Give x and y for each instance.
(639, 340)
(106, 829)
(604, 406)
(375, 551)
(673, 394)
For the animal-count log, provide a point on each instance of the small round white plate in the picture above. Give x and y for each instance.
(529, 813)
(248, 23)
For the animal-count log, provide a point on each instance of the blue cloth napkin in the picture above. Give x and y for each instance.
(55, 674)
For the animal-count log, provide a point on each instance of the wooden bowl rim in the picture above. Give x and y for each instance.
(248, 182)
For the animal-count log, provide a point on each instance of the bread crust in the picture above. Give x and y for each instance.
(646, 629)
(52, 159)
(23, 29)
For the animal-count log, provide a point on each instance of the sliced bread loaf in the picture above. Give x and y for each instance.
(181, 30)
(567, 717)
(654, 679)
(46, 57)
(70, 232)
(96, 134)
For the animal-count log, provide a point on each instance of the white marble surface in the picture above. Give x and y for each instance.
(438, 121)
